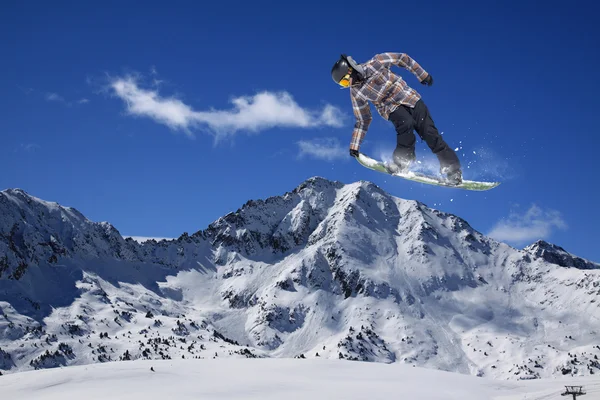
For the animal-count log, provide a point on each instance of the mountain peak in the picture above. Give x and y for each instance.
(18, 192)
(26, 201)
(557, 255)
(14, 191)
(317, 183)
(332, 270)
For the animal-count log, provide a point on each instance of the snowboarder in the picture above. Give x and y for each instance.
(398, 103)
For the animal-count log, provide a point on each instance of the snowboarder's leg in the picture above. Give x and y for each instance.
(426, 129)
(404, 154)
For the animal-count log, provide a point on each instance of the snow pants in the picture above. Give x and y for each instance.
(405, 120)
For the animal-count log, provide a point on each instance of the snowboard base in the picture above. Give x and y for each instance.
(414, 176)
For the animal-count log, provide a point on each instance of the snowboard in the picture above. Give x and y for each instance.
(376, 165)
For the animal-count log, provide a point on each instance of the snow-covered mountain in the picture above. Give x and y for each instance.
(327, 270)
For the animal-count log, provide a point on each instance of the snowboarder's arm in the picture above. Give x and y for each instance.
(404, 61)
(362, 112)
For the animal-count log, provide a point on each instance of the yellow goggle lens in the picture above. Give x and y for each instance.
(345, 81)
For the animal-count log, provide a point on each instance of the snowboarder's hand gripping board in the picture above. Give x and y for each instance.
(422, 178)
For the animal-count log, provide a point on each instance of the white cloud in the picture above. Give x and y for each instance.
(249, 113)
(54, 97)
(324, 148)
(27, 147)
(60, 99)
(30, 147)
(26, 90)
(534, 224)
(332, 116)
(155, 81)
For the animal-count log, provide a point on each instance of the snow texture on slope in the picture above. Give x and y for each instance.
(272, 379)
(325, 271)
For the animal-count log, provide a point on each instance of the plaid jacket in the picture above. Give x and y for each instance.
(386, 90)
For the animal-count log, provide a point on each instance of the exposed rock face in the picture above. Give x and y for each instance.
(326, 270)
(557, 255)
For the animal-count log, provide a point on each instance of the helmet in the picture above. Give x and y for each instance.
(340, 69)
(346, 66)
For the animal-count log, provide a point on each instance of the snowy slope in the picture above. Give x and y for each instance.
(325, 271)
(273, 379)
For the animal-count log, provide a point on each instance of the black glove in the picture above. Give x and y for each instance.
(428, 81)
(354, 153)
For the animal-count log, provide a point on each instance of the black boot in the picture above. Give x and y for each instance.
(453, 175)
(400, 165)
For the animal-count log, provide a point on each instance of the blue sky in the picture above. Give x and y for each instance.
(161, 117)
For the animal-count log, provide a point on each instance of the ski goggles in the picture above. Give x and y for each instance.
(345, 81)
